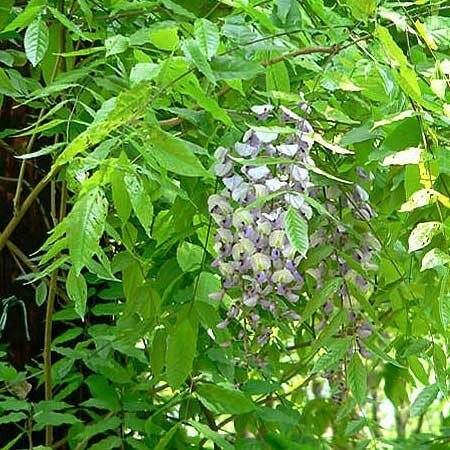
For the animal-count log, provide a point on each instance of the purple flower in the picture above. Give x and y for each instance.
(328, 308)
(262, 111)
(364, 331)
(223, 324)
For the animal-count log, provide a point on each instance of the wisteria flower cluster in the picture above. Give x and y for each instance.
(362, 252)
(263, 176)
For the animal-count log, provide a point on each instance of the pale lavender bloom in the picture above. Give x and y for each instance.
(328, 308)
(274, 184)
(363, 351)
(299, 174)
(362, 173)
(293, 315)
(233, 182)
(260, 262)
(223, 324)
(216, 296)
(219, 204)
(244, 149)
(288, 149)
(321, 325)
(304, 107)
(258, 173)
(360, 194)
(262, 278)
(250, 301)
(223, 169)
(276, 253)
(365, 331)
(293, 298)
(290, 115)
(233, 312)
(294, 200)
(262, 111)
(266, 136)
(221, 153)
(260, 190)
(254, 252)
(240, 192)
(305, 127)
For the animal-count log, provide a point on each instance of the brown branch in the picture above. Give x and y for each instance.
(302, 51)
(299, 52)
(14, 222)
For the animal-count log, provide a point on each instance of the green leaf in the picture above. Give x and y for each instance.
(31, 11)
(277, 78)
(233, 68)
(158, 351)
(85, 225)
(194, 54)
(211, 435)
(417, 369)
(422, 234)
(408, 156)
(207, 284)
(164, 38)
(101, 389)
(107, 443)
(440, 368)
(167, 437)
(424, 400)
(12, 417)
(223, 400)
(116, 44)
(175, 155)
(335, 353)
(297, 231)
(362, 9)
(5, 9)
(444, 300)
(66, 22)
(144, 72)
(321, 296)
(89, 431)
(77, 290)
(329, 331)
(175, 73)
(41, 293)
(357, 378)
(439, 29)
(434, 258)
(140, 200)
(125, 108)
(207, 36)
(181, 347)
(53, 418)
(121, 199)
(406, 77)
(189, 256)
(36, 41)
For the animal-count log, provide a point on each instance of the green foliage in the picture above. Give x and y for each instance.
(126, 104)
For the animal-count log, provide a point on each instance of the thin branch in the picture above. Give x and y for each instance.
(15, 221)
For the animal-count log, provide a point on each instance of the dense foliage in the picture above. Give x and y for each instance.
(247, 205)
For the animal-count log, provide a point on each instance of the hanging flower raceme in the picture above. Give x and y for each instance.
(263, 176)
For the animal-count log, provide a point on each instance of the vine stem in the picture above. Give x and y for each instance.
(15, 220)
(48, 350)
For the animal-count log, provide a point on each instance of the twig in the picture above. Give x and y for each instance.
(15, 220)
